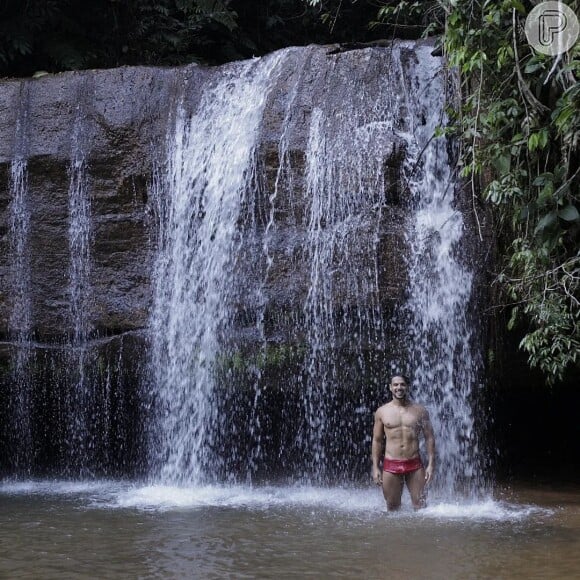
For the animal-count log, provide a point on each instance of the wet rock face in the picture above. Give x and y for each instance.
(119, 120)
(115, 119)
(342, 127)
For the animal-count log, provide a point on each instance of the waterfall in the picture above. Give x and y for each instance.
(79, 235)
(80, 399)
(211, 164)
(20, 317)
(307, 238)
(443, 360)
(67, 396)
(373, 184)
(345, 188)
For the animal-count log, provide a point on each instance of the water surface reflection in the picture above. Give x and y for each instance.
(114, 530)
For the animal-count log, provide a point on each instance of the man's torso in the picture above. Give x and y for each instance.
(402, 425)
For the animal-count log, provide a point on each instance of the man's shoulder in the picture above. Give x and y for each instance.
(385, 408)
(420, 409)
(382, 408)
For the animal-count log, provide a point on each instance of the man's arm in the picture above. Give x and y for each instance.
(377, 448)
(430, 444)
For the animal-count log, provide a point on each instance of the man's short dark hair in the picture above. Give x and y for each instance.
(404, 377)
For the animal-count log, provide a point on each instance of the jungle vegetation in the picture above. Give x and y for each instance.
(56, 35)
(518, 119)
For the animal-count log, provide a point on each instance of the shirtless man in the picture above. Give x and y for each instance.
(401, 422)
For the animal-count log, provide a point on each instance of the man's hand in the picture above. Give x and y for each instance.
(377, 476)
(428, 473)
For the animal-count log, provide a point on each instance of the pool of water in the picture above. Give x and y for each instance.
(121, 530)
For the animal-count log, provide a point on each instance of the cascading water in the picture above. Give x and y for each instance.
(345, 188)
(20, 316)
(20, 321)
(70, 401)
(363, 153)
(211, 164)
(283, 179)
(311, 240)
(79, 399)
(443, 357)
(79, 236)
(303, 199)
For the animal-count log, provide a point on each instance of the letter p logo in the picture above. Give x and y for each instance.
(552, 28)
(551, 23)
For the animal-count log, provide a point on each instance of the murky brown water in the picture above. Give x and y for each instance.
(113, 530)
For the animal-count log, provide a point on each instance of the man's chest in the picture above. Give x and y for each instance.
(401, 418)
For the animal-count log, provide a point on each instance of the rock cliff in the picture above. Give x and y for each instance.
(119, 125)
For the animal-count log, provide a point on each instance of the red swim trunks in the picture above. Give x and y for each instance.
(402, 466)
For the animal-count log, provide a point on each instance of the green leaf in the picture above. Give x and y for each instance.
(546, 193)
(518, 6)
(563, 116)
(513, 318)
(546, 222)
(543, 138)
(502, 163)
(569, 213)
(543, 178)
(533, 66)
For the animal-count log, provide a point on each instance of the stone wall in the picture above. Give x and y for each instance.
(120, 120)
(125, 115)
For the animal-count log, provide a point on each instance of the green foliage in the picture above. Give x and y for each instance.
(346, 20)
(57, 35)
(519, 123)
(175, 31)
(271, 357)
(545, 295)
(519, 126)
(399, 16)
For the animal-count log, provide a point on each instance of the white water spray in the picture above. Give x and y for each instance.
(443, 354)
(20, 317)
(352, 144)
(20, 321)
(79, 398)
(211, 164)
